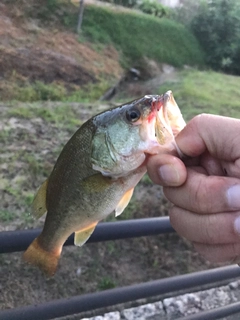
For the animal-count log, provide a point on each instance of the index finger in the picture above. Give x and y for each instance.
(205, 194)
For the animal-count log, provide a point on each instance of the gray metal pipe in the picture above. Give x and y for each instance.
(19, 240)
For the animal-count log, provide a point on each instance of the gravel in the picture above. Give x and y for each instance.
(179, 306)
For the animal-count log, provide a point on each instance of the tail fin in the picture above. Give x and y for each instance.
(44, 260)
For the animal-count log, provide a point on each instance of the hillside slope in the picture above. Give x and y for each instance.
(42, 58)
(31, 51)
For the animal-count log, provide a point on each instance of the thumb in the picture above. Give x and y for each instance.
(166, 170)
(216, 134)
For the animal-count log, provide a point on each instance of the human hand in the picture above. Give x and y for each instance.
(205, 186)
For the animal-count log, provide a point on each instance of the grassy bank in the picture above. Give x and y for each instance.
(205, 91)
(139, 35)
(89, 63)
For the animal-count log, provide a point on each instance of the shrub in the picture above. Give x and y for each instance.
(152, 7)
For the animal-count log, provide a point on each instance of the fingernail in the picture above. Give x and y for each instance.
(237, 224)
(233, 195)
(169, 174)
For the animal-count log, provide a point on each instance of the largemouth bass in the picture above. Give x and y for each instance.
(97, 171)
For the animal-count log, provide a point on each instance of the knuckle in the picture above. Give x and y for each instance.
(199, 119)
(207, 195)
(211, 234)
(202, 199)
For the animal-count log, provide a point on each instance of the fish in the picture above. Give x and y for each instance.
(97, 170)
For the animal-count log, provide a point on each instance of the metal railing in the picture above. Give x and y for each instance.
(19, 240)
(13, 241)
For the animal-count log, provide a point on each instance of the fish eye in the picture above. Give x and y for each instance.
(133, 115)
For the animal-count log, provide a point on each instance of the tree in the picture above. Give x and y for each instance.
(217, 27)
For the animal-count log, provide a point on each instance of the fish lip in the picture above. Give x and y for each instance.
(159, 102)
(166, 98)
(163, 130)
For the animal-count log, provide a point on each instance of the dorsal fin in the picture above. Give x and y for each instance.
(39, 206)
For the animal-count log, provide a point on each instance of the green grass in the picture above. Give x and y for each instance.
(106, 283)
(90, 92)
(28, 198)
(39, 91)
(141, 35)
(59, 115)
(205, 91)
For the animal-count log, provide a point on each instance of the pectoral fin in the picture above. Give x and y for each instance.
(123, 202)
(83, 235)
(39, 206)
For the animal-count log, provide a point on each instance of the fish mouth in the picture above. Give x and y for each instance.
(169, 121)
(163, 122)
(163, 130)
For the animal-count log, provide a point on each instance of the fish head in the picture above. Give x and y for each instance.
(124, 136)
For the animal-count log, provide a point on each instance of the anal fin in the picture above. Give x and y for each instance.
(123, 202)
(39, 206)
(83, 235)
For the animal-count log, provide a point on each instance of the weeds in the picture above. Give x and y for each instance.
(6, 216)
(106, 283)
(28, 198)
